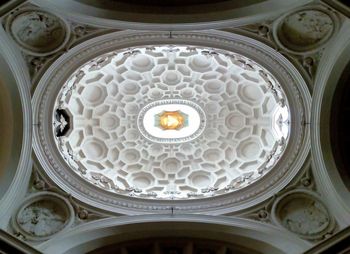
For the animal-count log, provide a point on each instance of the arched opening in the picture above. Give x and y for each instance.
(238, 234)
(339, 126)
(10, 127)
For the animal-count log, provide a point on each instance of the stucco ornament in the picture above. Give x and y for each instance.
(303, 213)
(43, 215)
(38, 32)
(306, 29)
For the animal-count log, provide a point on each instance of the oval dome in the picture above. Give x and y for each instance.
(205, 122)
(171, 121)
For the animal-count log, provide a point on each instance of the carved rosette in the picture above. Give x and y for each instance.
(37, 32)
(305, 30)
(42, 215)
(303, 213)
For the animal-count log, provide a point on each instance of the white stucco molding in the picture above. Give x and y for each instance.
(19, 70)
(254, 235)
(290, 79)
(331, 66)
(89, 15)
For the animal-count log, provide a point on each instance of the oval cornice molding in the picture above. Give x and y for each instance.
(288, 166)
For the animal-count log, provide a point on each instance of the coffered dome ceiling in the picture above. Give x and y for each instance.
(167, 121)
(171, 122)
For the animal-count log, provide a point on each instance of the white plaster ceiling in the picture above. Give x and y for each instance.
(245, 122)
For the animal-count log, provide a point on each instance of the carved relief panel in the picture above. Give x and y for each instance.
(302, 212)
(37, 32)
(42, 215)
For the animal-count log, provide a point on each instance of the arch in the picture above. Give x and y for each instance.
(15, 82)
(195, 17)
(325, 170)
(246, 233)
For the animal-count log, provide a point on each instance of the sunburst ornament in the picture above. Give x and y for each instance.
(171, 120)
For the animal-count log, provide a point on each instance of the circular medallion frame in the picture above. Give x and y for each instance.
(326, 14)
(30, 212)
(25, 24)
(304, 213)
